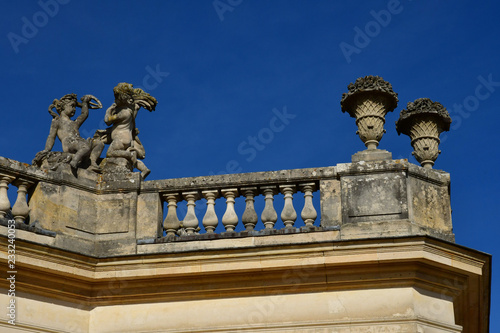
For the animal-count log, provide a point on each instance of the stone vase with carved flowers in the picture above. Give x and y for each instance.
(368, 100)
(423, 121)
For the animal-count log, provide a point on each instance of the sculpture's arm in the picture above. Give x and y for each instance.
(85, 111)
(108, 117)
(123, 115)
(137, 106)
(52, 135)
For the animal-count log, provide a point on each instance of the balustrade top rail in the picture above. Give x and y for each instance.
(238, 180)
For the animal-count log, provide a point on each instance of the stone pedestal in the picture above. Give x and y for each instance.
(372, 155)
(116, 165)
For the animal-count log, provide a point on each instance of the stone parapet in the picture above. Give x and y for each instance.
(110, 214)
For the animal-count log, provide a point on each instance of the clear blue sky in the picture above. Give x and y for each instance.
(218, 74)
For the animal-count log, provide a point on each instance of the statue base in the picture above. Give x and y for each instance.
(371, 155)
(56, 160)
(51, 160)
(116, 165)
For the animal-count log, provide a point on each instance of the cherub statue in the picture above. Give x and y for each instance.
(122, 136)
(75, 148)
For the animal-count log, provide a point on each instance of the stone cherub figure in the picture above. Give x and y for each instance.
(75, 148)
(125, 149)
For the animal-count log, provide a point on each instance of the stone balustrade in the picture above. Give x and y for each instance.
(193, 225)
(95, 212)
(200, 219)
(20, 210)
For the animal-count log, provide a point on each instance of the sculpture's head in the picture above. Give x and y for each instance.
(127, 95)
(124, 94)
(65, 105)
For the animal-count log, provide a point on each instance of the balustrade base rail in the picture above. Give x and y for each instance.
(32, 227)
(233, 234)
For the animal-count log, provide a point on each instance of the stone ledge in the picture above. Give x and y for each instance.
(241, 234)
(80, 179)
(240, 243)
(32, 227)
(370, 167)
(438, 177)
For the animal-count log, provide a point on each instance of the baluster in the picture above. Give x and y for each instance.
(190, 222)
(230, 219)
(288, 215)
(171, 223)
(249, 217)
(5, 180)
(20, 210)
(269, 215)
(308, 213)
(210, 219)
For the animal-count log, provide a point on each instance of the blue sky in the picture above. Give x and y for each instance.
(221, 76)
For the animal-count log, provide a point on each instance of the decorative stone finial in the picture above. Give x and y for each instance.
(423, 120)
(368, 100)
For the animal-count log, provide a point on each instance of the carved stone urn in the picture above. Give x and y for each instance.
(423, 120)
(368, 100)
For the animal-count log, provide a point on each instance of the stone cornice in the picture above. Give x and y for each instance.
(315, 266)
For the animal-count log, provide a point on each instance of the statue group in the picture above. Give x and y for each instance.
(125, 150)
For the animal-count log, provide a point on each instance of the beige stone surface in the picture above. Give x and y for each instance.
(36, 315)
(105, 214)
(331, 206)
(383, 310)
(149, 216)
(430, 204)
(45, 207)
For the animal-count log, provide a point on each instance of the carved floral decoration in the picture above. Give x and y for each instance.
(423, 120)
(368, 100)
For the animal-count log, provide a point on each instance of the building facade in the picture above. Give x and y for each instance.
(366, 246)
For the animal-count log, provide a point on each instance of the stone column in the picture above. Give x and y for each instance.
(269, 215)
(249, 217)
(5, 180)
(20, 210)
(288, 215)
(171, 223)
(190, 222)
(230, 219)
(308, 213)
(210, 219)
